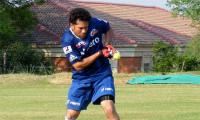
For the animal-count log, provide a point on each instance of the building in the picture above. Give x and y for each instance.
(135, 27)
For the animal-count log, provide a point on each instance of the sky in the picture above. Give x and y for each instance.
(157, 3)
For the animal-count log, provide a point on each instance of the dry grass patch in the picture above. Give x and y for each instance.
(21, 78)
(61, 78)
(57, 78)
(65, 78)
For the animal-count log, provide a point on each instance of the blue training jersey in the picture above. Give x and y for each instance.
(77, 49)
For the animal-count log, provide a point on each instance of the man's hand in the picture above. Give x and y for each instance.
(108, 51)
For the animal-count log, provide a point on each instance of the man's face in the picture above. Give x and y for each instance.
(80, 28)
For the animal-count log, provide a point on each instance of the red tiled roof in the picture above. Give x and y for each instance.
(165, 34)
(151, 15)
(132, 24)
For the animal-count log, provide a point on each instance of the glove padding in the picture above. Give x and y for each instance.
(110, 48)
(108, 51)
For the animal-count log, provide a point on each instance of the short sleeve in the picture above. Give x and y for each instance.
(103, 25)
(71, 53)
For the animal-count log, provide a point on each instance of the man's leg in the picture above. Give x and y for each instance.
(109, 109)
(72, 115)
(105, 95)
(78, 98)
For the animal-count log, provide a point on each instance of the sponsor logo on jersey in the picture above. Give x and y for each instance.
(93, 32)
(106, 89)
(72, 58)
(67, 49)
(80, 44)
(94, 42)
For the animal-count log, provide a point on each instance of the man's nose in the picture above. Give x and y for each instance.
(84, 31)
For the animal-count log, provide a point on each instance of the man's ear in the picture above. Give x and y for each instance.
(71, 26)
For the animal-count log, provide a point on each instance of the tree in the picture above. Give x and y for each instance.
(13, 21)
(16, 18)
(188, 8)
(7, 31)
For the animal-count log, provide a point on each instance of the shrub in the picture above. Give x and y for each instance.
(21, 58)
(165, 57)
(188, 63)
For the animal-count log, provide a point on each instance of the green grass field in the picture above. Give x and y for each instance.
(34, 97)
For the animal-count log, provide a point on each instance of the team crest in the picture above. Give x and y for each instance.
(93, 32)
(72, 58)
(67, 49)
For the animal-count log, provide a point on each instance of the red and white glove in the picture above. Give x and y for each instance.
(108, 51)
(110, 48)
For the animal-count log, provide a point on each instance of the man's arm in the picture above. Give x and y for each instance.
(89, 60)
(108, 36)
(86, 61)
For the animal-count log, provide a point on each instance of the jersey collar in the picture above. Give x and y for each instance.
(74, 34)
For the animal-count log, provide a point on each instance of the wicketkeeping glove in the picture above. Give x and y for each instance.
(108, 51)
(110, 48)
